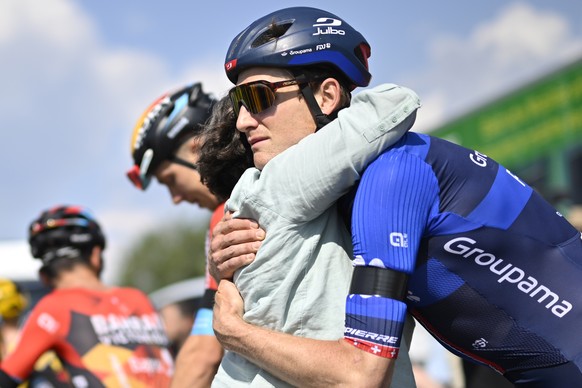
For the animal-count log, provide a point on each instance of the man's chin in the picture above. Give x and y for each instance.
(259, 160)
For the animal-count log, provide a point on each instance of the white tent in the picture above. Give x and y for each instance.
(16, 262)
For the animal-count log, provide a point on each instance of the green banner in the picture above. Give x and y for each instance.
(529, 123)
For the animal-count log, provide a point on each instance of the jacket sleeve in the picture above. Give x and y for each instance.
(311, 175)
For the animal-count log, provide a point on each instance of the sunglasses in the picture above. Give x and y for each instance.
(184, 163)
(257, 96)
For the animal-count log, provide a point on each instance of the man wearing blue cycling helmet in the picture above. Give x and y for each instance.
(443, 232)
(294, 70)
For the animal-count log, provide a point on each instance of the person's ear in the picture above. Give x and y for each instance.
(95, 259)
(45, 279)
(329, 95)
(193, 144)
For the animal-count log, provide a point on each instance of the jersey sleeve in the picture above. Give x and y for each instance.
(391, 210)
(311, 175)
(38, 335)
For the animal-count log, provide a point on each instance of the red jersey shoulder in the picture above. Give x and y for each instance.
(51, 313)
(59, 299)
(129, 292)
(91, 301)
(133, 298)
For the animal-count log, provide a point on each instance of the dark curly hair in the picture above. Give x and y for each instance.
(225, 153)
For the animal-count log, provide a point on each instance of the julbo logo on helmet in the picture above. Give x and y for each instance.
(328, 24)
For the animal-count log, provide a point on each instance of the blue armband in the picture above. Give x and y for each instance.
(203, 323)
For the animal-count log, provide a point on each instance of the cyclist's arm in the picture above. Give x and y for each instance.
(200, 355)
(38, 335)
(391, 212)
(197, 361)
(311, 175)
(198, 358)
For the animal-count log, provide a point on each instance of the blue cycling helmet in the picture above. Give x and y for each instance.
(300, 37)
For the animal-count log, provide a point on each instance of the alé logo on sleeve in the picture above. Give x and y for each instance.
(399, 240)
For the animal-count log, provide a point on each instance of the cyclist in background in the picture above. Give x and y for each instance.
(12, 306)
(104, 336)
(48, 371)
(166, 144)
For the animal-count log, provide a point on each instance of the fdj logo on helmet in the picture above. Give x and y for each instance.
(328, 24)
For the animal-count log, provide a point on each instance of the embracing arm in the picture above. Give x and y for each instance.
(299, 361)
(332, 160)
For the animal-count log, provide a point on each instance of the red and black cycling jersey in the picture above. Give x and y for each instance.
(103, 338)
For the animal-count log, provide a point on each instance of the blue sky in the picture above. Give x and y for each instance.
(76, 75)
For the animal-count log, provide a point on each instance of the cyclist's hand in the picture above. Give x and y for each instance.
(234, 244)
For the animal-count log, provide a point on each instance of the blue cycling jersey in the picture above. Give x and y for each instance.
(495, 271)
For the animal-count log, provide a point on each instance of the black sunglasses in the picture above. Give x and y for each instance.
(141, 180)
(184, 163)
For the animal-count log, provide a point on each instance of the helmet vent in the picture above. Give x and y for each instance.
(274, 31)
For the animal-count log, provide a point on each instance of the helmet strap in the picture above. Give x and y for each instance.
(321, 119)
